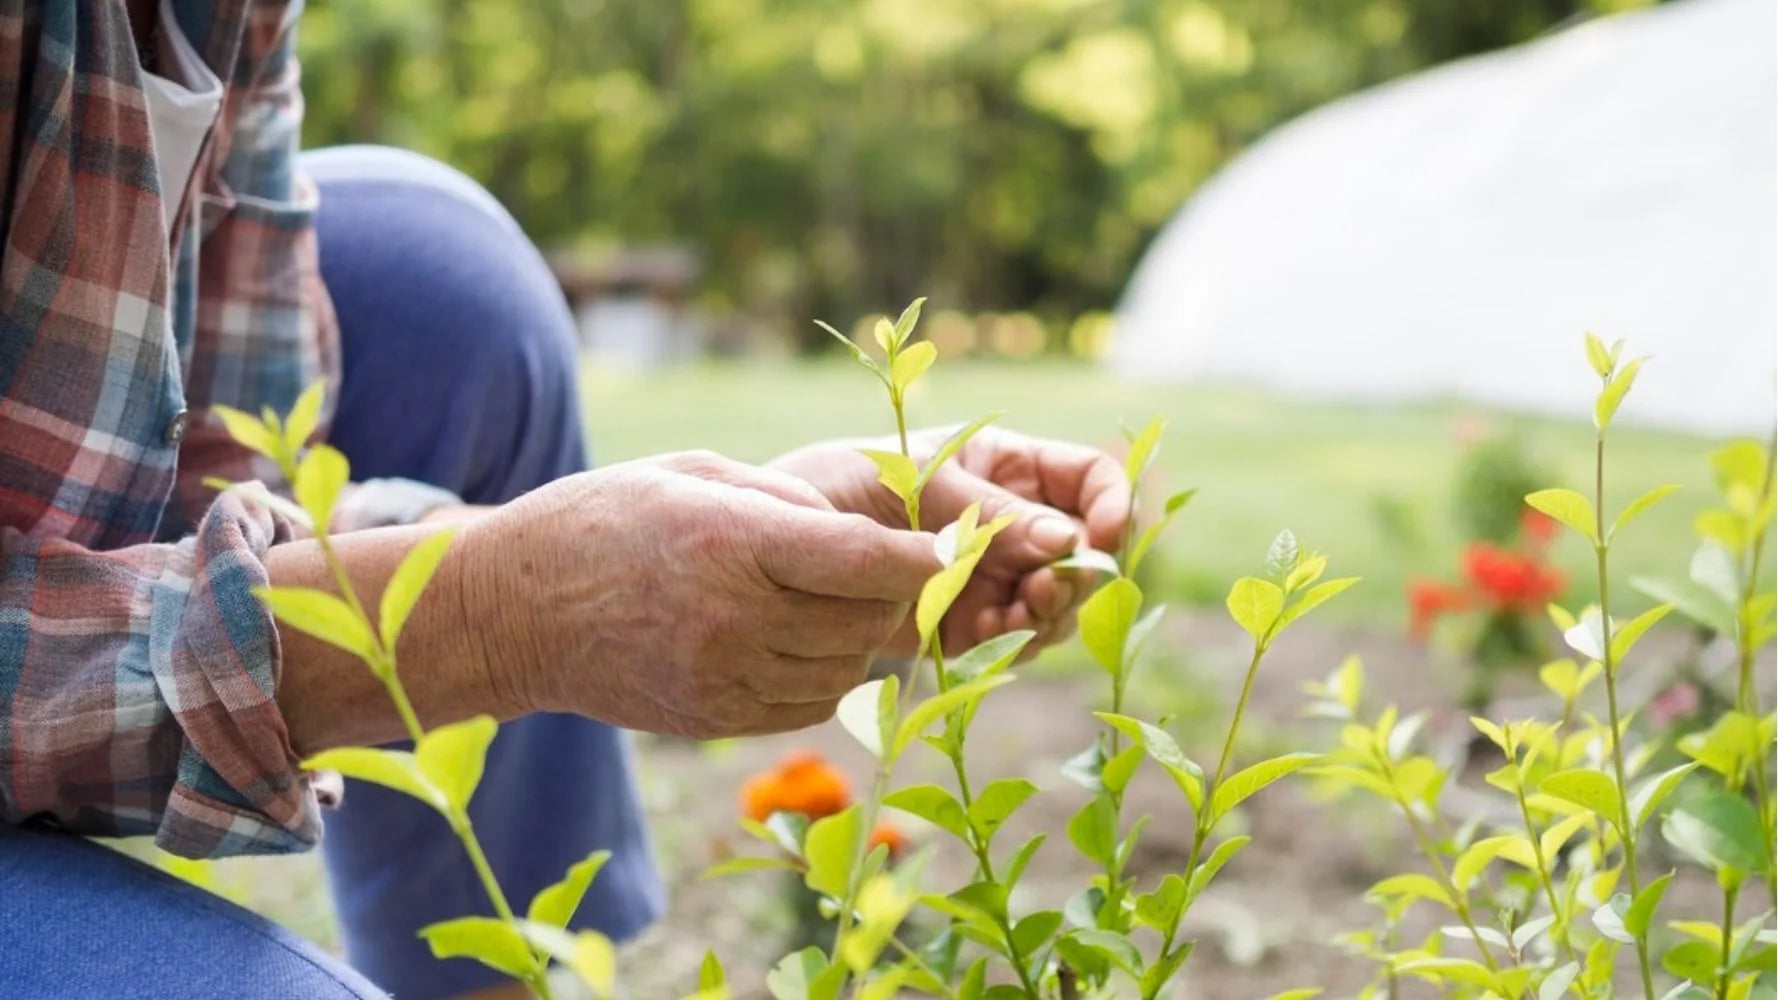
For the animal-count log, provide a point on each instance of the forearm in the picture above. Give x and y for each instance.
(330, 698)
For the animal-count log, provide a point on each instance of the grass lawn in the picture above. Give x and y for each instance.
(1264, 462)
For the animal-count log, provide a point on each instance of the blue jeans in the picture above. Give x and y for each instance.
(459, 371)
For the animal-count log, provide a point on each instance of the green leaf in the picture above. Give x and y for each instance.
(1612, 396)
(1649, 795)
(909, 318)
(324, 616)
(320, 477)
(1641, 504)
(1118, 771)
(1696, 602)
(1693, 960)
(1160, 909)
(1210, 866)
(1594, 790)
(1557, 982)
(409, 581)
(1116, 948)
(1158, 975)
(932, 804)
(1411, 886)
(588, 954)
(1626, 635)
(711, 975)
(453, 757)
(394, 769)
(747, 863)
(1094, 830)
(304, 417)
(1587, 636)
(954, 444)
(884, 335)
(997, 801)
(1641, 913)
(555, 904)
(1308, 569)
(492, 942)
(927, 712)
(857, 352)
(894, 470)
(1727, 747)
(1720, 831)
(248, 431)
(1105, 620)
(1304, 994)
(1089, 559)
(985, 897)
(1035, 930)
(1599, 357)
(806, 975)
(1238, 787)
(911, 363)
(1022, 857)
(1713, 568)
(1142, 450)
(988, 658)
(1152, 533)
(1160, 746)
(1283, 555)
(1255, 605)
(1609, 919)
(857, 712)
(1475, 858)
(1313, 598)
(829, 847)
(1568, 507)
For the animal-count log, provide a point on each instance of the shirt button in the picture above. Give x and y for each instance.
(177, 426)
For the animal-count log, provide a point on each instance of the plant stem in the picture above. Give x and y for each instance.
(1746, 697)
(919, 963)
(1450, 886)
(1626, 831)
(1724, 979)
(1559, 930)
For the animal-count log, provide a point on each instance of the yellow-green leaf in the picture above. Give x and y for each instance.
(1236, 788)
(1653, 791)
(1142, 450)
(1476, 857)
(911, 363)
(248, 430)
(1313, 598)
(1568, 507)
(555, 904)
(909, 318)
(409, 581)
(1594, 790)
(394, 769)
(1255, 605)
(1625, 636)
(322, 615)
(492, 942)
(952, 445)
(1150, 534)
(453, 756)
(927, 712)
(1641, 504)
(895, 471)
(1612, 396)
(304, 417)
(320, 477)
(1556, 837)
(829, 848)
(1413, 886)
(1598, 356)
(1105, 619)
(1642, 908)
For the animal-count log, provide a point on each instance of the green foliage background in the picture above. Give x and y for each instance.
(827, 156)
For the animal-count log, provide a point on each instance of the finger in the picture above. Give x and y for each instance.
(1049, 595)
(795, 680)
(1040, 534)
(710, 466)
(1077, 479)
(815, 625)
(790, 718)
(843, 555)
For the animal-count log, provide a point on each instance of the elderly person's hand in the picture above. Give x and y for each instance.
(1065, 495)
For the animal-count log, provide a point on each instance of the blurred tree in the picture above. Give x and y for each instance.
(828, 157)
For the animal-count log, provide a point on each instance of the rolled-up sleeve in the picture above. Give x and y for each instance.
(138, 691)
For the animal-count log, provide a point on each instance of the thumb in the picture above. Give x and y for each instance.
(1040, 535)
(711, 467)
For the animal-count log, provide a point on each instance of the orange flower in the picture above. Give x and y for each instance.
(891, 837)
(1510, 580)
(802, 783)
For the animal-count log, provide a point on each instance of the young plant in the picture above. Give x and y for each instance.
(445, 765)
(1573, 833)
(988, 951)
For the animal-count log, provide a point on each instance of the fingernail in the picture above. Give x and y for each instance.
(1055, 534)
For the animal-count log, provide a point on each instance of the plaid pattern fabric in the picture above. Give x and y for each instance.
(137, 672)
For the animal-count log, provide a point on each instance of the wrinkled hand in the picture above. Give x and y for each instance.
(1064, 495)
(687, 594)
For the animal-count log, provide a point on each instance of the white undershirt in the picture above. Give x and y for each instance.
(182, 106)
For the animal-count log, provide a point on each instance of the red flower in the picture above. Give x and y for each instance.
(802, 783)
(1512, 581)
(1428, 599)
(1539, 529)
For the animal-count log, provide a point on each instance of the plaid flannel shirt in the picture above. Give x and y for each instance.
(137, 671)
